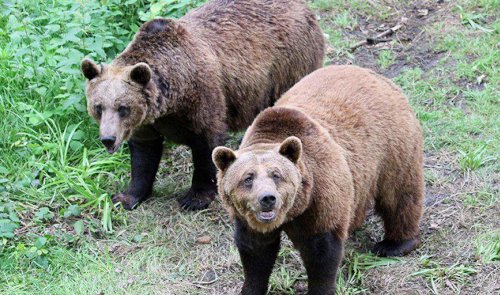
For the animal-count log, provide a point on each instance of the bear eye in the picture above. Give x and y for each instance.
(276, 176)
(248, 181)
(123, 111)
(98, 110)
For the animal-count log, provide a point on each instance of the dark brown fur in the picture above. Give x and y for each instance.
(211, 71)
(361, 144)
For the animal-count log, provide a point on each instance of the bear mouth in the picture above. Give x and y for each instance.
(113, 149)
(266, 216)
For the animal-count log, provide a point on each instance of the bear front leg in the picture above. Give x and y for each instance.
(145, 157)
(258, 253)
(203, 184)
(322, 254)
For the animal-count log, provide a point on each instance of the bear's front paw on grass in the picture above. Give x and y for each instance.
(197, 199)
(128, 202)
(387, 248)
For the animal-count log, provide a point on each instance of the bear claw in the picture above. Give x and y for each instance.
(387, 248)
(194, 201)
(127, 202)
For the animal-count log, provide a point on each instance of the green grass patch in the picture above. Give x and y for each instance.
(386, 58)
(437, 275)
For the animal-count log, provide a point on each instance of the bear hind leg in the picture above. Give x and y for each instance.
(400, 205)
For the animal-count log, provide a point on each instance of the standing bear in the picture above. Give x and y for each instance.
(339, 140)
(193, 79)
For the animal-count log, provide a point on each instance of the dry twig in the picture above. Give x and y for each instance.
(380, 37)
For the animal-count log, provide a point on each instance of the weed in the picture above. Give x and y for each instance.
(43, 214)
(385, 59)
(474, 159)
(350, 279)
(451, 275)
(324, 5)
(9, 221)
(488, 248)
(345, 21)
(472, 19)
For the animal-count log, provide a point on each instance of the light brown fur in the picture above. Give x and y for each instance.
(361, 144)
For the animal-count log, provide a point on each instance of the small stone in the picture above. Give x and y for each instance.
(480, 79)
(117, 270)
(203, 240)
(210, 276)
(35, 183)
(423, 12)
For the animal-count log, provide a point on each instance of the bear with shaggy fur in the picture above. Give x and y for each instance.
(193, 79)
(340, 140)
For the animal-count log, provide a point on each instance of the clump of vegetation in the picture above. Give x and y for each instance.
(385, 59)
(474, 159)
(454, 276)
(52, 167)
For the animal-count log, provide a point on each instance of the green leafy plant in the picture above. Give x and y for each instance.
(472, 19)
(171, 8)
(385, 59)
(488, 248)
(72, 210)
(474, 159)
(43, 214)
(355, 264)
(437, 274)
(9, 221)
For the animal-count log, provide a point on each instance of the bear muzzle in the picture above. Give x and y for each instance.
(110, 143)
(267, 212)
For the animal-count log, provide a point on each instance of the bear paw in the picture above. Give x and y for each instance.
(128, 202)
(197, 200)
(391, 248)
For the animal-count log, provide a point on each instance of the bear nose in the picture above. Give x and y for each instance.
(267, 201)
(108, 141)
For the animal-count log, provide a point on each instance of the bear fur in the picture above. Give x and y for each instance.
(193, 79)
(340, 140)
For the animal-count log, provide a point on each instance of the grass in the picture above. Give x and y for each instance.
(472, 160)
(385, 59)
(488, 248)
(59, 233)
(452, 276)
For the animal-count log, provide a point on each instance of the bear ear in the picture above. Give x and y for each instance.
(158, 25)
(89, 68)
(223, 157)
(291, 148)
(141, 73)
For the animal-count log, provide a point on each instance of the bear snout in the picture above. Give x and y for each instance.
(267, 201)
(269, 204)
(109, 142)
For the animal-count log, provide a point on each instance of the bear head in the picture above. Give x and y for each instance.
(260, 183)
(134, 89)
(118, 99)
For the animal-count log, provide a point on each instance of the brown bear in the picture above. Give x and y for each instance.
(193, 79)
(311, 166)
